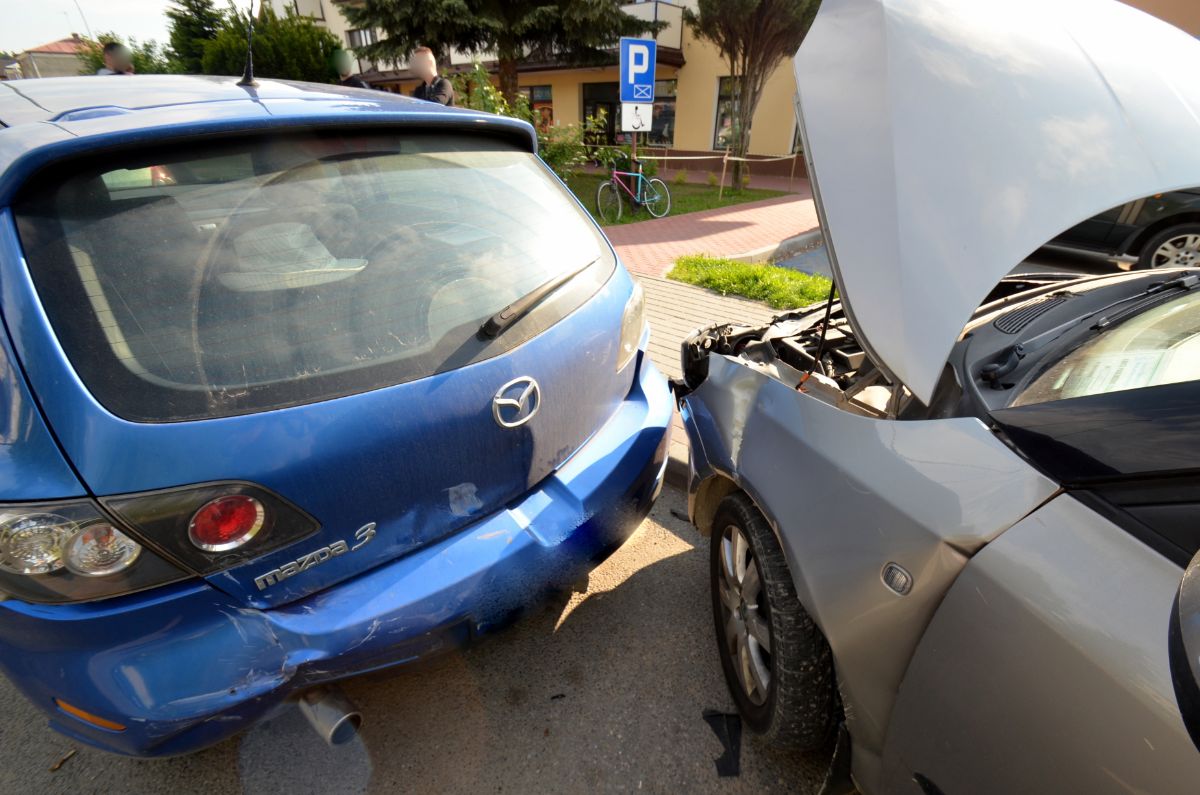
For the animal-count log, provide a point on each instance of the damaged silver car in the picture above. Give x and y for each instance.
(955, 515)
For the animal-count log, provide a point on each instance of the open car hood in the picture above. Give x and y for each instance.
(949, 140)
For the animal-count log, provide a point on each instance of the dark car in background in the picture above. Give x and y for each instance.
(1159, 231)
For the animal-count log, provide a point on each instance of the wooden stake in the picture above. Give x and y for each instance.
(724, 162)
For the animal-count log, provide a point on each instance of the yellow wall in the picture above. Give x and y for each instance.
(771, 132)
(773, 127)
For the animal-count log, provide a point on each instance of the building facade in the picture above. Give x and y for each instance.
(693, 98)
(55, 59)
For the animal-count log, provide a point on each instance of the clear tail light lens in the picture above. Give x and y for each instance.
(71, 552)
(32, 543)
(633, 320)
(99, 550)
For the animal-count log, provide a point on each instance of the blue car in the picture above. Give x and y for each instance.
(297, 382)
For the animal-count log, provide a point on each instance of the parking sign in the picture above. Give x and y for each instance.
(638, 57)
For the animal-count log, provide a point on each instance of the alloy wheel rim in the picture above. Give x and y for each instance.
(1178, 252)
(745, 615)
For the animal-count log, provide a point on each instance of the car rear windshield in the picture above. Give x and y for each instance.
(1158, 346)
(222, 278)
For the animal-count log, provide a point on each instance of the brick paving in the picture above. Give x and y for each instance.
(651, 247)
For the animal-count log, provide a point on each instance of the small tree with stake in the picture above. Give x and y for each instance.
(579, 32)
(755, 37)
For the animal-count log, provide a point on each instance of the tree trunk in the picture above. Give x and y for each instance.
(741, 128)
(508, 78)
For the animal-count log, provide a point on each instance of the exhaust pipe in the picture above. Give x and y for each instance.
(331, 714)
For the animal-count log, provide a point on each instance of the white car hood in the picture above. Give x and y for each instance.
(949, 140)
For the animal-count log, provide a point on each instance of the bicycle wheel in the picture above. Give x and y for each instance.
(608, 202)
(658, 198)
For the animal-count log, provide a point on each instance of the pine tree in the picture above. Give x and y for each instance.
(192, 23)
(579, 32)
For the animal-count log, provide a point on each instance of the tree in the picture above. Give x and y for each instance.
(755, 37)
(290, 47)
(579, 32)
(192, 24)
(148, 57)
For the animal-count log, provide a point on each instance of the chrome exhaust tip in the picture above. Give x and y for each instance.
(331, 714)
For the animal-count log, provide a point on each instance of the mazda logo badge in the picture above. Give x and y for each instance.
(516, 402)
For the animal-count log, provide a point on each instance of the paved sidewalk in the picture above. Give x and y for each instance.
(651, 247)
(675, 310)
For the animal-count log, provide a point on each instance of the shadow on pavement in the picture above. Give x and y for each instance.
(604, 689)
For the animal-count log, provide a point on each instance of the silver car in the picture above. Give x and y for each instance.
(951, 510)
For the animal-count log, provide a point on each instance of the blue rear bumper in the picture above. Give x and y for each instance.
(184, 666)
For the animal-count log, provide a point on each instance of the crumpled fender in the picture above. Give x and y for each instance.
(846, 495)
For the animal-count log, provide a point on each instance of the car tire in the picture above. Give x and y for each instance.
(1174, 247)
(797, 707)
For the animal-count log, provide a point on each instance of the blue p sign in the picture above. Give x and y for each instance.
(638, 57)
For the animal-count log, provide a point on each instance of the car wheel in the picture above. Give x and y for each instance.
(1176, 247)
(777, 664)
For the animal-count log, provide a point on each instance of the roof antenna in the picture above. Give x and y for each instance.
(248, 75)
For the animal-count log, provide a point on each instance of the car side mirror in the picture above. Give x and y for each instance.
(1184, 643)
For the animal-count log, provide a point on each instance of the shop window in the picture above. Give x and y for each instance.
(662, 131)
(541, 102)
(726, 107)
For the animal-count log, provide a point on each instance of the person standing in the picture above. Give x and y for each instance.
(432, 88)
(118, 60)
(344, 65)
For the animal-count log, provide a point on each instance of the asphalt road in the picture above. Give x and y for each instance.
(603, 690)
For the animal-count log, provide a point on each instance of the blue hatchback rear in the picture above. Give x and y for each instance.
(301, 382)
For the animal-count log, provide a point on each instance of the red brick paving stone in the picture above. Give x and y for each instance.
(651, 247)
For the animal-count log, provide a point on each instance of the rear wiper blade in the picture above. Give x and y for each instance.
(495, 325)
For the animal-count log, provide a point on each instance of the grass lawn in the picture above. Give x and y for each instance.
(781, 288)
(687, 198)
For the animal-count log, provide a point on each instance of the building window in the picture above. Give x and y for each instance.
(309, 8)
(603, 98)
(726, 107)
(361, 38)
(662, 131)
(541, 102)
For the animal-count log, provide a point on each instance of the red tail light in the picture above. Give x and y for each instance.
(226, 523)
(213, 526)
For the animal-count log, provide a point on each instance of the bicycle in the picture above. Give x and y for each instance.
(651, 193)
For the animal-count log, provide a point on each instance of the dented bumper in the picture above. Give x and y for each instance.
(183, 667)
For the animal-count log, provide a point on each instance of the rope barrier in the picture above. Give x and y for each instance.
(723, 156)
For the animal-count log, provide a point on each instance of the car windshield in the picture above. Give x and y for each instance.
(234, 277)
(1158, 346)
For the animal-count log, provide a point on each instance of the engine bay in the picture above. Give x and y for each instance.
(814, 350)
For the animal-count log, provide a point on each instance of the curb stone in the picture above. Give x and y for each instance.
(784, 249)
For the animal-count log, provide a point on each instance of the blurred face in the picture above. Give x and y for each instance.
(341, 61)
(119, 60)
(423, 66)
